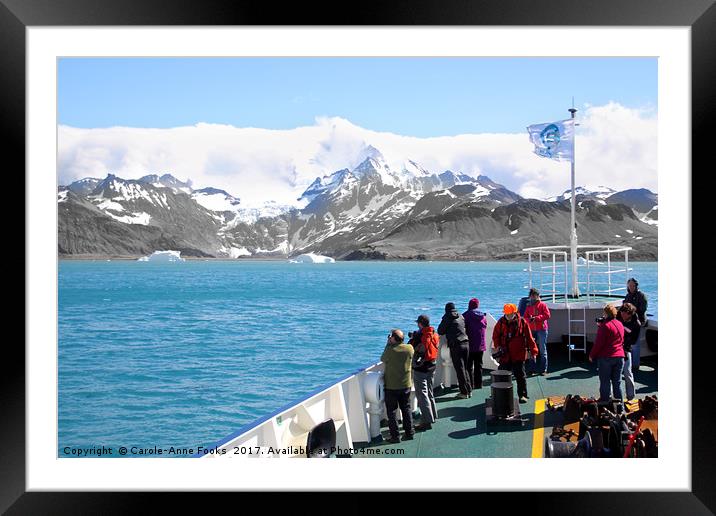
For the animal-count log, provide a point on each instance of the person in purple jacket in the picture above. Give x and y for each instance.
(475, 324)
(608, 350)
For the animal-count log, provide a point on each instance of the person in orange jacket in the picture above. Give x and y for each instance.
(513, 338)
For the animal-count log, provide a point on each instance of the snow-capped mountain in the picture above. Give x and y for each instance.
(359, 205)
(643, 202)
(122, 216)
(167, 181)
(83, 186)
(595, 192)
(411, 177)
(481, 191)
(369, 210)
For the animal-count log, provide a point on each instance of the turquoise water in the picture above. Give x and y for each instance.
(183, 354)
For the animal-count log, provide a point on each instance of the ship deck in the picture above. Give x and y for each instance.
(462, 430)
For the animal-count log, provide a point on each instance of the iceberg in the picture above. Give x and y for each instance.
(163, 256)
(311, 258)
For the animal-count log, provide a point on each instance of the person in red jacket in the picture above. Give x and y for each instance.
(608, 350)
(537, 314)
(513, 337)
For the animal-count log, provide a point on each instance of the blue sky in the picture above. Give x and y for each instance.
(420, 97)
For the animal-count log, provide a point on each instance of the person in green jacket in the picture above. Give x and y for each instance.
(397, 360)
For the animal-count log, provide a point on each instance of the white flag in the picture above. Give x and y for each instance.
(553, 140)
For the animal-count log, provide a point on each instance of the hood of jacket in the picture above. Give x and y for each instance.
(453, 314)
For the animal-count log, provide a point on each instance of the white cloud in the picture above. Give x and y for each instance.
(616, 147)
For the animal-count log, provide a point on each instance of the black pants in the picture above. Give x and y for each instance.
(518, 369)
(474, 368)
(459, 353)
(398, 399)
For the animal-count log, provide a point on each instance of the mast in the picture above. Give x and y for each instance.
(573, 233)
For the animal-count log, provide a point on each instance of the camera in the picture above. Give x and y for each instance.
(499, 353)
(600, 319)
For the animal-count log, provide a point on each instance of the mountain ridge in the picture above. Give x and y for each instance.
(368, 212)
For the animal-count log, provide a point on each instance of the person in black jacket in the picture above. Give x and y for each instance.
(452, 326)
(627, 316)
(637, 298)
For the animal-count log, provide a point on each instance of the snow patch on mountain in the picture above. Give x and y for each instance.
(216, 200)
(651, 217)
(127, 191)
(135, 218)
(234, 252)
(282, 248)
(62, 196)
(109, 204)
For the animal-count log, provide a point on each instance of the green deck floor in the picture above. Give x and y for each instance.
(461, 429)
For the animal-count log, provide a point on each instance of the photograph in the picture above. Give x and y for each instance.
(439, 244)
(373, 257)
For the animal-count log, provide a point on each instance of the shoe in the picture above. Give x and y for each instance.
(543, 374)
(523, 399)
(469, 394)
(408, 437)
(461, 396)
(526, 396)
(394, 440)
(423, 428)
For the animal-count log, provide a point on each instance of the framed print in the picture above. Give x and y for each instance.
(184, 172)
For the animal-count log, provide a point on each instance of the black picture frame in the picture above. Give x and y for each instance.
(699, 15)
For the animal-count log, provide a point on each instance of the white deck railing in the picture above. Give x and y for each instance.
(549, 270)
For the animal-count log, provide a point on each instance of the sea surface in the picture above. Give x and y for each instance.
(184, 354)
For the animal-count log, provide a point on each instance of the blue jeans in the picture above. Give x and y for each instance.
(539, 363)
(628, 377)
(610, 371)
(636, 352)
(636, 355)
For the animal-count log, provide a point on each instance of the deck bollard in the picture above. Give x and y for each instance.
(447, 365)
(374, 395)
(502, 394)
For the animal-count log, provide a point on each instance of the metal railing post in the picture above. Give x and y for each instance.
(529, 267)
(589, 277)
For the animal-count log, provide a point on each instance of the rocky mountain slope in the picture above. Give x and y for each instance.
(472, 232)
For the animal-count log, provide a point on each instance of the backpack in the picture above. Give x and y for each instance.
(430, 342)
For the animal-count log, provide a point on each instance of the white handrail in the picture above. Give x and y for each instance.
(548, 273)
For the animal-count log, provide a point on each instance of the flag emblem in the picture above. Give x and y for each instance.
(553, 140)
